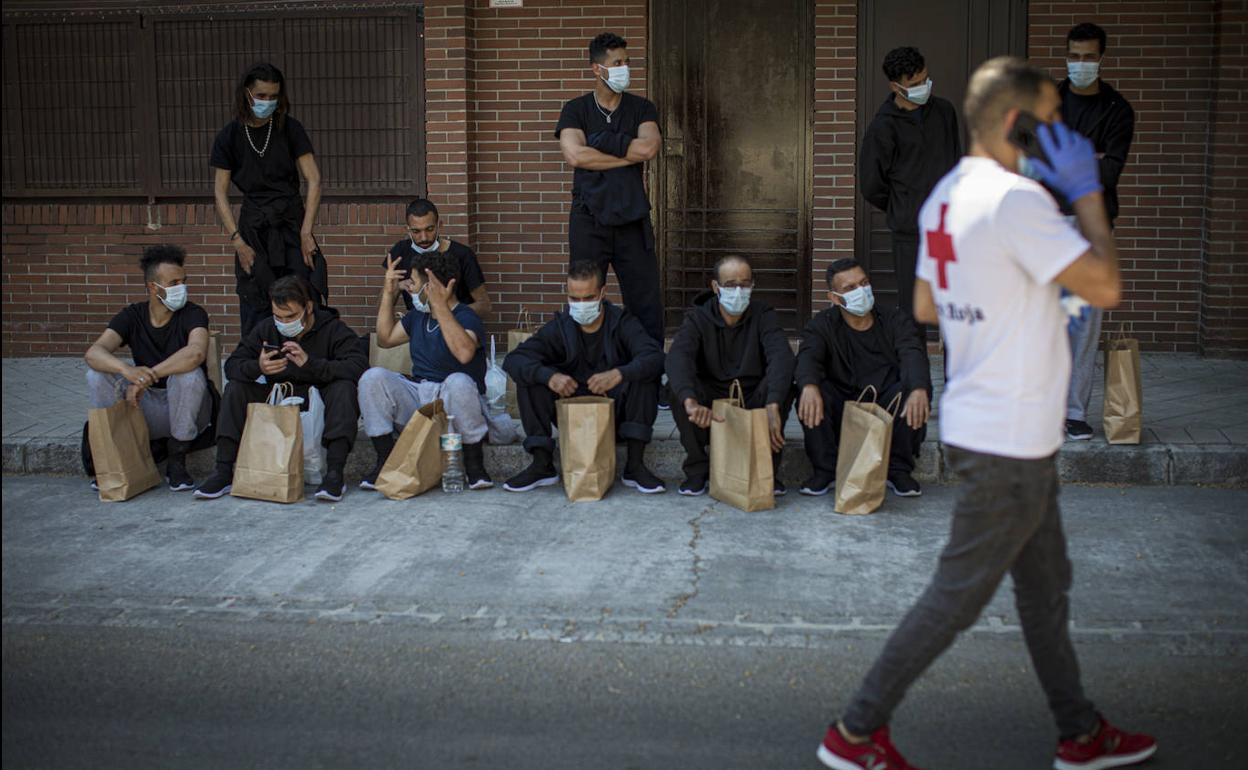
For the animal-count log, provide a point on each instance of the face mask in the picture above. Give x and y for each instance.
(617, 78)
(416, 247)
(1083, 73)
(585, 313)
(920, 93)
(1027, 168)
(292, 329)
(735, 299)
(175, 297)
(262, 108)
(418, 302)
(859, 301)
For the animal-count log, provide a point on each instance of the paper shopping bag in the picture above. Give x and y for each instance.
(525, 327)
(862, 456)
(270, 454)
(396, 359)
(586, 446)
(213, 360)
(415, 464)
(741, 473)
(1123, 413)
(120, 451)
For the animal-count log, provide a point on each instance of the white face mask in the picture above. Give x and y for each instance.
(289, 329)
(175, 296)
(918, 94)
(1083, 73)
(617, 78)
(418, 302)
(585, 313)
(859, 301)
(416, 247)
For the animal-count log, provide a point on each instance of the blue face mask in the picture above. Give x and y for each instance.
(291, 329)
(262, 108)
(1027, 168)
(734, 299)
(418, 301)
(585, 313)
(859, 301)
(416, 247)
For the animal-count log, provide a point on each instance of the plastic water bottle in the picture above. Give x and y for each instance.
(452, 458)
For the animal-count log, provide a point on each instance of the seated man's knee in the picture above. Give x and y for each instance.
(460, 385)
(195, 379)
(373, 378)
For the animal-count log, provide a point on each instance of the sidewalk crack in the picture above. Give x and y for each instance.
(695, 568)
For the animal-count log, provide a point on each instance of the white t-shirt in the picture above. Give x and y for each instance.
(992, 243)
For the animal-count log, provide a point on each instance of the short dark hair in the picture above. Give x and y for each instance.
(269, 74)
(587, 268)
(727, 258)
(443, 264)
(599, 46)
(420, 207)
(288, 289)
(163, 254)
(840, 266)
(1087, 31)
(997, 86)
(903, 63)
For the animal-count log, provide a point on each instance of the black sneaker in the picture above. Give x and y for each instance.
(904, 485)
(332, 486)
(95, 487)
(538, 474)
(218, 484)
(1078, 430)
(693, 486)
(643, 481)
(778, 489)
(370, 481)
(665, 398)
(478, 478)
(178, 477)
(818, 485)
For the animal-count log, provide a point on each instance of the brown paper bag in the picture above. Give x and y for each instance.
(862, 457)
(121, 452)
(586, 446)
(415, 464)
(396, 359)
(270, 454)
(1122, 417)
(525, 327)
(213, 361)
(741, 473)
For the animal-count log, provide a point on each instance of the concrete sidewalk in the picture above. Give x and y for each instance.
(1195, 417)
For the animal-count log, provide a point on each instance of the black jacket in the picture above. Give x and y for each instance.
(616, 196)
(556, 348)
(334, 353)
(824, 353)
(904, 154)
(701, 352)
(1110, 124)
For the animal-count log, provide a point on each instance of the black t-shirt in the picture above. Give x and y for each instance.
(470, 274)
(584, 113)
(869, 363)
(1075, 109)
(262, 179)
(150, 345)
(593, 356)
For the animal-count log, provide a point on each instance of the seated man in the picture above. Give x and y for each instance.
(448, 363)
(853, 344)
(168, 340)
(306, 346)
(422, 238)
(594, 348)
(727, 336)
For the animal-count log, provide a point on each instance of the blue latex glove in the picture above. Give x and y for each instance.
(1073, 169)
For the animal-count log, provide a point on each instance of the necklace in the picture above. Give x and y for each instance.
(603, 110)
(267, 137)
(431, 329)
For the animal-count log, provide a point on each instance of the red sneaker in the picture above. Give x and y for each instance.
(1110, 748)
(876, 754)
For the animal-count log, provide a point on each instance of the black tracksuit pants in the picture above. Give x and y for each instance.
(342, 413)
(636, 406)
(629, 250)
(823, 440)
(695, 440)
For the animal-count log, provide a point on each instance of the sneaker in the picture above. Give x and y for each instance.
(369, 481)
(903, 485)
(1078, 430)
(643, 481)
(478, 478)
(693, 486)
(665, 402)
(178, 477)
(95, 487)
(878, 753)
(532, 477)
(778, 489)
(1110, 747)
(218, 484)
(818, 485)
(331, 488)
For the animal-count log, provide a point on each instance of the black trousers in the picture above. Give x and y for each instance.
(636, 406)
(695, 440)
(824, 439)
(629, 250)
(342, 413)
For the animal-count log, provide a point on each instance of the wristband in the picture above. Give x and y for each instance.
(233, 235)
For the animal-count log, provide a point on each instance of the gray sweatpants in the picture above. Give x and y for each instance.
(388, 399)
(1084, 339)
(1006, 519)
(182, 409)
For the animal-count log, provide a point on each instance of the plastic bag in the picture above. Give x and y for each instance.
(314, 455)
(495, 382)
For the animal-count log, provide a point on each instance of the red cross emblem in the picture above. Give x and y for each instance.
(940, 248)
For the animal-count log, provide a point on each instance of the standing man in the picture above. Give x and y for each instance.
(423, 225)
(606, 135)
(995, 254)
(1093, 108)
(911, 143)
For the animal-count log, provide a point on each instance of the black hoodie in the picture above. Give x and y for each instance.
(825, 350)
(904, 154)
(1109, 121)
(556, 348)
(334, 353)
(706, 349)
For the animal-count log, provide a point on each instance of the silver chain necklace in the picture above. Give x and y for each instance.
(601, 109)
(267, 137)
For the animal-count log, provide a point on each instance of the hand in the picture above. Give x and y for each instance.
(246, 254)
(143, 376)
(438, 293)
(810, 406)
(307, 244)
(699, 415)
(917, 409)
(775, 427)
(134, 393)
(602, 382)
(295, 353)
(1072, 169)
(394, 277)
(408, 285)
(562, 385)
(272, 362)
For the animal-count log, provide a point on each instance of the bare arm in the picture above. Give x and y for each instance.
(461, 342)
(390, 333)
(924, 303)
(1094, 275)
(646, 146)
(312, 175)
(221, 193)
(101, 356)
(578, 154)
(481, 301)
(188, 358)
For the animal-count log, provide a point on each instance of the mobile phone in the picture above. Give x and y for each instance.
(269, 347)
(1023, 136)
